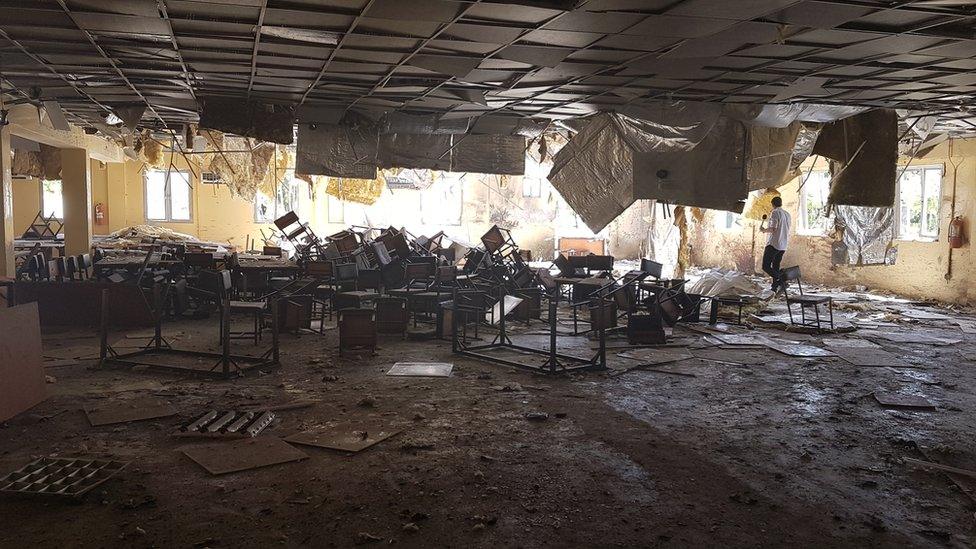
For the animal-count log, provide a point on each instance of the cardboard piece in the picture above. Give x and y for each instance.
(125, 411)
(864, 356)
(421, 369)
(656, 356)
(903, 401)
(344, 438)
(22, 383)
(835, 343)
(229, 457)
(805, 351)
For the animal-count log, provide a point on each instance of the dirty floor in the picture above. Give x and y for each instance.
(733, 445)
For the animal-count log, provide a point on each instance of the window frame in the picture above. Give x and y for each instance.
(457, 183)
(728, 221)
(40, 188)
(803, 227)
(167, 196)
(293, 189)
(531, 187)
(922, 237)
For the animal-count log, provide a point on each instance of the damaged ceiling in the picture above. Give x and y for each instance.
(487, 60)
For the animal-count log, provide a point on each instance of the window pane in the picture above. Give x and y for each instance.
(179, 194)
(263, 210)
(156, 195)
(441, 203)
(910, 204)
(933, 199)
(335, 211)
(815, 191)
(52, 199)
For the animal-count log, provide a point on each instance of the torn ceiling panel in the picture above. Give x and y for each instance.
(769, 155)
(865, 151)
(347, 149)
(403, 150)
(710, 175)
(267, 122)
(496, 154)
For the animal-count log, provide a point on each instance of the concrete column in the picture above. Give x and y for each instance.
(76, 190)
(6, 206)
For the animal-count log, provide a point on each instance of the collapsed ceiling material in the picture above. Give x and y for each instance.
(463, 59)
(866, 236)
(864, 149)
(274, 123)
(246, 167)
(683, 153)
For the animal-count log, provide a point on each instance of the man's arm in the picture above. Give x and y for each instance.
(773, 225)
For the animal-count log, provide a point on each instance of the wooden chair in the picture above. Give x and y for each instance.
(357, 329)
(805, 301)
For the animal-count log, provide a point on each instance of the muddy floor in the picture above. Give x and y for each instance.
(730, 445)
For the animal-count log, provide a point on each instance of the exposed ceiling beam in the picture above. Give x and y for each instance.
(257, 43)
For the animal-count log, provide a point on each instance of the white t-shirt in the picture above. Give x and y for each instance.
(779, 222)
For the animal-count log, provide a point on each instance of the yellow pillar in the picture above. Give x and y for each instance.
(76, 190)
(6, 206)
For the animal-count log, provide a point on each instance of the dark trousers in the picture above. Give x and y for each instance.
(770, 264)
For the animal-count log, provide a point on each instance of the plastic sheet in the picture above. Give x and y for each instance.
(867, 235)
(498, 154)
(347, 149)
(866, 150)
(781, 116)
(770, 155)
(398, 122)
(404, 150)
(710, 175)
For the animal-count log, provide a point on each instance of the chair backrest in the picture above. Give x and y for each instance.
(55, 268)
(71, 266)
(319, 269)
(563, 264)
(271, 250)
(201, 260)
(599, 262)
(346, 271)
(416, 271)
(42, 268)
(369, 279)
(546, 280)
(215, 282)
(493, 239)
(652, 268)
(790, 274)
(286, 220)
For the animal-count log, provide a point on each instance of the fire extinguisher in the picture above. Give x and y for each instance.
(955, 232)
(99, 214)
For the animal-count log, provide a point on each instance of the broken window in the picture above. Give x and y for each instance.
(919, 198)
(336, 210)
(286, 200)
(813, 204)
(52, 201)
(168, 195)
(531, 187)
(441, 203)
(728, 221)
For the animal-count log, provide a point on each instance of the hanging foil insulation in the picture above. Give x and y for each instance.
(867, 236)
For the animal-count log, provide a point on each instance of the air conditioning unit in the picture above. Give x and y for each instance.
(211, 178)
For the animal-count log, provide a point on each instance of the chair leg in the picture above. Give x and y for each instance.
(789, 309)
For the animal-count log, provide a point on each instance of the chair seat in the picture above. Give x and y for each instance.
(809, 299)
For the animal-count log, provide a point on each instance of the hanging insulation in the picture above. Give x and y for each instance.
(152, 150)
(27, 163)
(362, 191)
(759, 204)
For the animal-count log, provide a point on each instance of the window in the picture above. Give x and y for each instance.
(919, 198)
(441, 204)
(728, 221)
(531, 187)
(168, 195)
(336, 211)
(813, 203)
(52, 201)
(266, 210)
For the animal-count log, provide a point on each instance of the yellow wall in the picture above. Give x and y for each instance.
(920, 268)
(27, 202)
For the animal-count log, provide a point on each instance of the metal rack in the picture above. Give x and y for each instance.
(555, 362)
(226, 365)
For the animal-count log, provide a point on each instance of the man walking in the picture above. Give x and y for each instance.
(779, 233)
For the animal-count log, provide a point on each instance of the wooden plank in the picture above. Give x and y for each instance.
(864, 356)
(229, 457)
(903, 401)
(22, 383)
(347, 439)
